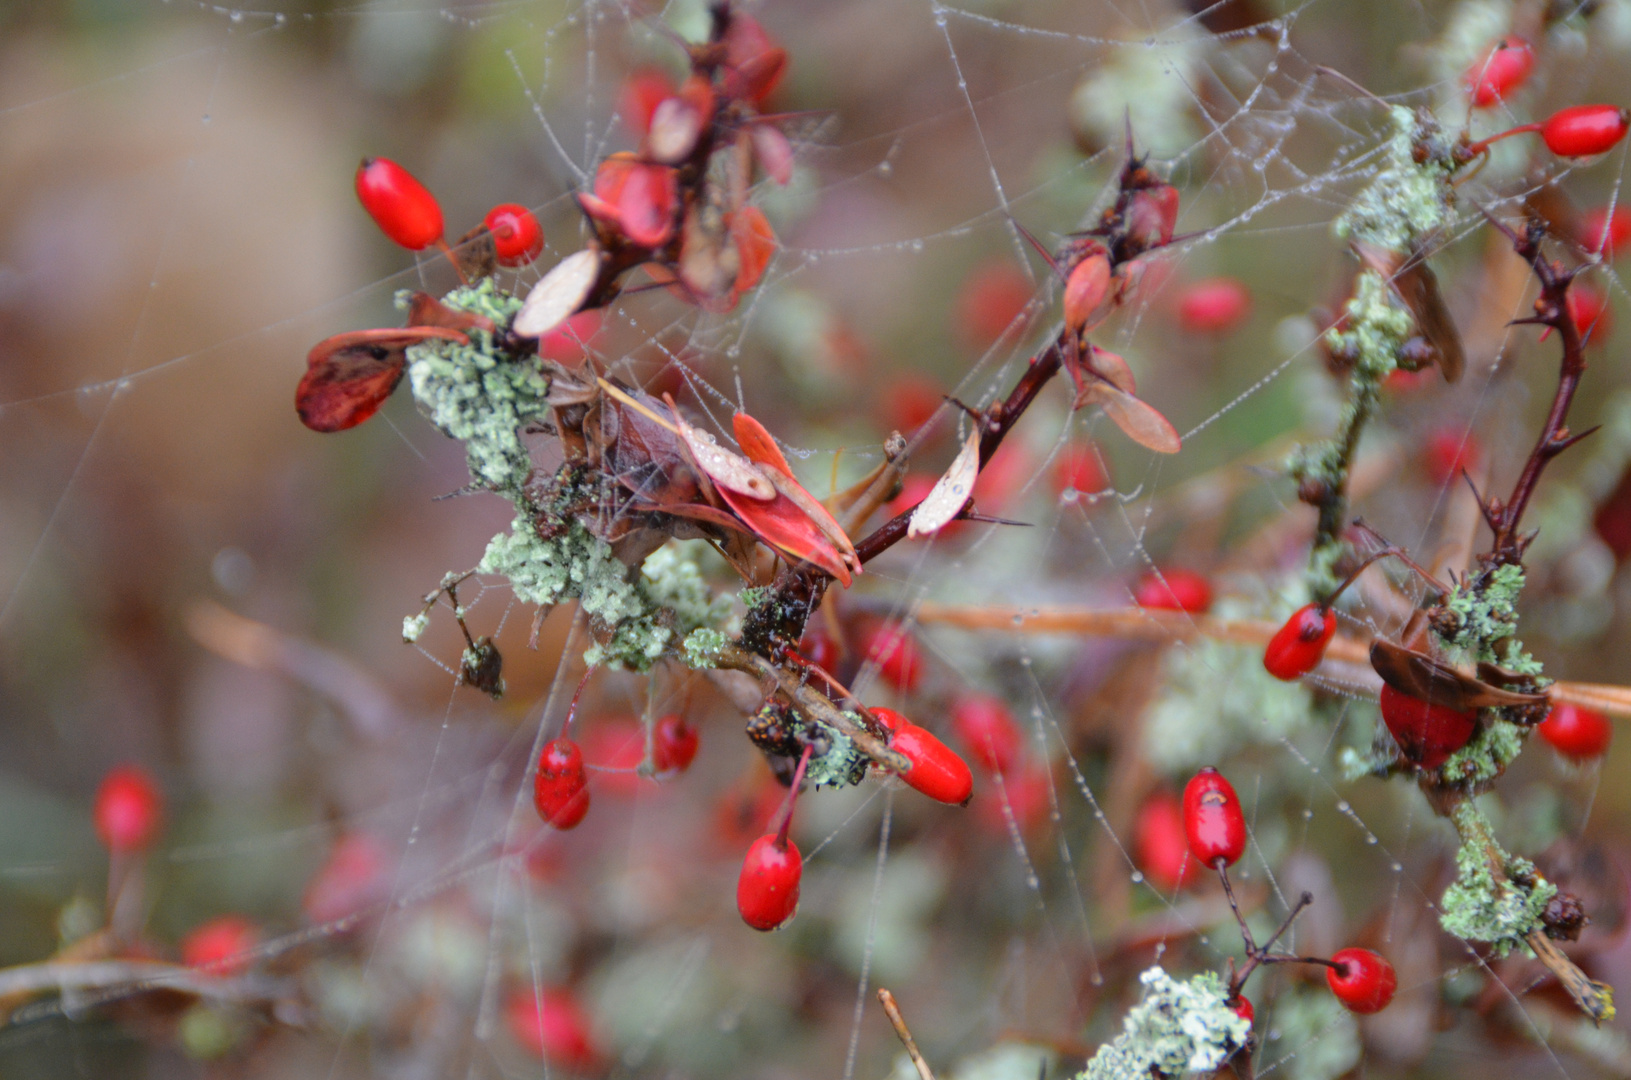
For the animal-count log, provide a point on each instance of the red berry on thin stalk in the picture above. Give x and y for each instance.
(128, 809)
(517, 237)
(987, 728)
(560, 790)
(1577, 732)
(676, 744)
(1078, 468)
(401, 206)
(221, 946)
(1214, 823)
(1160, 845)
(1214, 306)
(1299, 645)
(1362, 980)
(1502, 71)
(1173, 590)
(1602, 233)
(1584, 130)
(553, 1026)
(767, 892)
(1427, 733)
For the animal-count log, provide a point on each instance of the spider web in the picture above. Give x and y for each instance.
(178, 231)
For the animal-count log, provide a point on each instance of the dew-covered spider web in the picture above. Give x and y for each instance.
(192, 581)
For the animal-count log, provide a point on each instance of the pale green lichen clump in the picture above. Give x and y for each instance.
(1485, 608)
(1477, 907)
(480, 396)
(1176, 1028)
(1408, 201)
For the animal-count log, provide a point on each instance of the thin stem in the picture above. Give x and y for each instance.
(784, 815)
(898, 1022)
(1481, 146)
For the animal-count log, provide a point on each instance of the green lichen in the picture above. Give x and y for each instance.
(701, 648)
(1485, 610)
(842, 765)
(413, 626)
(1176, 1028)
(1486, 755)
(1408, 200)
(479, 395)
(1477, 907)
(1319, 1039)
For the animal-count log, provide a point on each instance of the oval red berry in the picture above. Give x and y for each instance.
(767, 892)
(1584, 130)
(987, 728)
(1214, 823)
(1174, 590)
(1501, 72)
(222, 946)
(676, 744)
(936, 769)
(895, 651)
(1362, 980)
(560, 790)
(128, 809)
(1577, 732)
(401, 206)
(1160, 846)
(553, 1026)
(517, 237)
(1297, 647)
(1427, 733)
(1214, 306)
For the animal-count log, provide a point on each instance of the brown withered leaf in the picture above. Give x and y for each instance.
(349, 376)
(476, 254)
(1420, 676)
(1415, 283)
(425, 310)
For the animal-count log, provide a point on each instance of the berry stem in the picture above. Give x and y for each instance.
(784, 815)
(442, 246)
(1481, 147)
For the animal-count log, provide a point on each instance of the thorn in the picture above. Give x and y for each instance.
(1570, 440)
(1047, 255)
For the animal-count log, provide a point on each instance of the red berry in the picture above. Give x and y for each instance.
(991, 301)
(1503, 70)
(1160, 846)
(1023, 793)
(517, 237)
(1173, 590)
(937, 771)
(1578, 732)
(909, 402)
(895, 651)
(1296, 648)
(1078, 467)
(1427, 733)
(221, 946)
(1584, 130)
(1214, 824)
(1362, 980)
(987, 728)
(1449, 451)
(401, 206)
(355, 874)
(820, 649)
(1602, 233)
(1214, 306)
(559, 790)
(128, 809)
(676, 744)
(1243, 1007)
(553, 1026)
(642, 93)
(767, 892)
(1591, 314)
(569, 340)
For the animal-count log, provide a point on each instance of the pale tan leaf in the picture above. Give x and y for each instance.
(1139, 421)
(725, 468)
(950, 493)
(559, 295)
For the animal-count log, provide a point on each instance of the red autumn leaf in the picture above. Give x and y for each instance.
(758, 444)
(349, 376)
(780, 523)
(755, 244)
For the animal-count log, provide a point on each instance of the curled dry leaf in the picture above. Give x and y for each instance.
(1419, 676)
(559, 295)
(349, 376)
(755, 244)
(758, 444)
(1102, 378)
(425, 310)
(1414, 282)
(788, 527)
(950, 493)
(760, 447)
(729, 471)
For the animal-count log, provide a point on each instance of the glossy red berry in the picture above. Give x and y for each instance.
(128, 809)
(517, 236)
(987, 728)
(1449, 451)
(1501, 72)
(1577, 732)
(1214, 306)
(896, 652)
(1214, 823)
(1427, 733)
(676, 744)
(1242, 1006)
(1602, 233)
(1160, 846)
(553, 1026)
(401, 206)
(1173, 590)
(1078, 468)
(1362, 980)
(767, 892)
(937, 771)
(221, 946)
(560, 789)
(1298, 646)
(1584, 130)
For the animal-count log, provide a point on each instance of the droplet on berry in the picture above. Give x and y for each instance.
(1427, 733)
(1214, 823)
(1500, 72)
(1577, 732)
(517, 237)
(767, 891)
(1173, 590)
(1362, 980)
(560, 790)
(401, 206)
(1298, 646)
(1584, 130)
(128, 809)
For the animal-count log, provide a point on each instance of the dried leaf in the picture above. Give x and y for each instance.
(1426, 679)
(349, 376)
(1111, 366)
(425, 310)
(789, 488)
(950, 493)
(729, 471)
(1137, 420)
(476, 254)
(755, 244)
(783, 525)
(559, 295)
(1415, 284)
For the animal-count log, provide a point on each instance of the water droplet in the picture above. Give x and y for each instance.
(1370, 839)
(1308, 815)
(1343, 806)
(1033, 882)
(917, 245)
(886, 169)
(205, 118)
(1138, 877)
(1398, 868)
(238, 17)
(734, 351)
(1019, 620)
